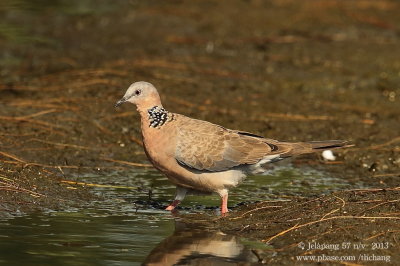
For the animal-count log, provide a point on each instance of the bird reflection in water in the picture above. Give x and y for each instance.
(191, 245)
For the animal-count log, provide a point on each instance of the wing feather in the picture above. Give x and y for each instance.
(205, 146)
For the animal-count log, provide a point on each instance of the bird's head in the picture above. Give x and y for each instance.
(143, 94)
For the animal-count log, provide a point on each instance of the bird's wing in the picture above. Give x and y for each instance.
(205, 146)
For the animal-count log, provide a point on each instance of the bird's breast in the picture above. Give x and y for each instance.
(159, 145)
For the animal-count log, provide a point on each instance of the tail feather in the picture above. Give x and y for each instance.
(328, 144)
(282, 150)
(315, 146)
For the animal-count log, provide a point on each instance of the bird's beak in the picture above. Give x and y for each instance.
(120, 102)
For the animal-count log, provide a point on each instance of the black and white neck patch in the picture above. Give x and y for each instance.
(158, 116)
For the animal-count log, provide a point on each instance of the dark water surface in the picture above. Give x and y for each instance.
(125, 227)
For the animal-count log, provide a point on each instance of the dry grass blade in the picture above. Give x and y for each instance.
(297, 116)
(38, 114)
(28, 116)
(62, 144)
(95, 185)
(378, 146)
(12, 156)
(380, 234)
(127, 163)
(102, 129)
(137, 141)
(388, 174)
(256, 209)
(32, 121)
(377, 205)
(262, 116)
(335, 210)
(124, 114)
(366, 190)
(63, 166)
(297, 226)
(21, 135)
(13, 187)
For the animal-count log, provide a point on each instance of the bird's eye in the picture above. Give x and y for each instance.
(138, 92)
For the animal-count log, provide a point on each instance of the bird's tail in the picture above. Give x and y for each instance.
(328, 144)
(282, 150)
(315, 146)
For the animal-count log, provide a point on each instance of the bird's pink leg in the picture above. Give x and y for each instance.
(224, 204)
(223, 193)
(180, 195)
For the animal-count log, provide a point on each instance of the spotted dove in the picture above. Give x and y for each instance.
(203, 157)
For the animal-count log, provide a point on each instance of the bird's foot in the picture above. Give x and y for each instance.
(224, 212)
(173, 205)
(170, 208)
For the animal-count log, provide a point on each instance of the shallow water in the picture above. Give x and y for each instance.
(127, 227)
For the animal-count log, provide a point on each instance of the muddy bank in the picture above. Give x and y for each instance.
(27, 189)
(358, 226)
